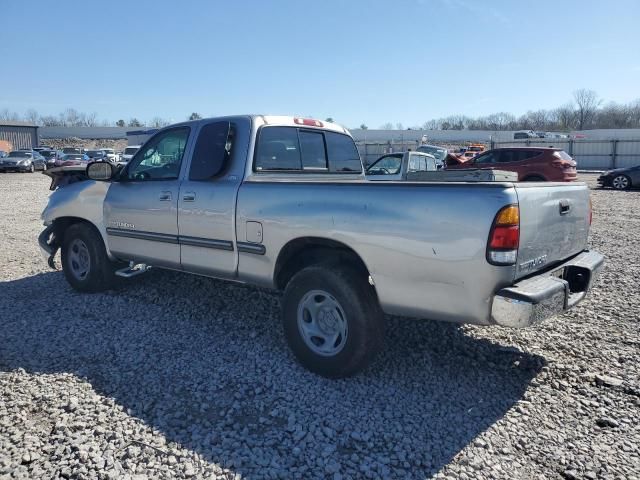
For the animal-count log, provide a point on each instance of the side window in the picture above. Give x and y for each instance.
(212, 151)
(508, 156)
(489, 157)
(314, 156)
(161, 157)
(278, 149)
(343, 154)
(526, 155)
(414, 163)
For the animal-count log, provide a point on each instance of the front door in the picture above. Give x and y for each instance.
(206, 205)
(141, 208)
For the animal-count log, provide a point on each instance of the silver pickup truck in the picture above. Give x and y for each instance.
(283, 203)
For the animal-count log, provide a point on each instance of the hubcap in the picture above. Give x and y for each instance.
(322, 323)
(620, 182)
(79, 259)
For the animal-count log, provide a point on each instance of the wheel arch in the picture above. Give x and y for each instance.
(305, 251)
(61, 224)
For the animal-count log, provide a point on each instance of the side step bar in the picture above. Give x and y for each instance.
(133, 269)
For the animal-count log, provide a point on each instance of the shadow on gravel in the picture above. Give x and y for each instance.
(205, 363)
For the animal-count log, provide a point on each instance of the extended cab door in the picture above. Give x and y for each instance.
(207, 201)
(141, 207)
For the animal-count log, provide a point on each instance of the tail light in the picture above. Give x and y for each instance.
(504, 238)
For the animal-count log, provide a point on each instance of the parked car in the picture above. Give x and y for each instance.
(128, 154)
(110, 155)
(395, 166)
(50, 156)
(96, 155)
(621, 178)
(71, 159)
(3, 154)
(23, 161)
(67, 150)
(296, 214)
(439, 153)
(524, 134)
(533, 164)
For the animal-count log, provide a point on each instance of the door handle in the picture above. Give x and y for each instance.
(164, 196)
(189, 196)
(565, 207)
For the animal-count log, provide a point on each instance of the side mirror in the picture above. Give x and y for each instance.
(100, 171)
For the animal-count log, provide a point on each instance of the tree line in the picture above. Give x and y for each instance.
(73, 118)
(584, 112)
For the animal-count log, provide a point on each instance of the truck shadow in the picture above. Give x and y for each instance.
(173, 352)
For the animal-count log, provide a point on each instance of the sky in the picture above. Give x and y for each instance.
(357, 61)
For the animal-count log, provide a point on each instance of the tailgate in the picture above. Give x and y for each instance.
(554, 223)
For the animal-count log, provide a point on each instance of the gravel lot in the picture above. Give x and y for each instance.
(174, 376)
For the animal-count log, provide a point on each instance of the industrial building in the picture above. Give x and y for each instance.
(16, 135)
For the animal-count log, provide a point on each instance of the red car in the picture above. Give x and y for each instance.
(532, 164)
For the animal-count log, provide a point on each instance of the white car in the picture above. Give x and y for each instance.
(128, 154)
(110, 154)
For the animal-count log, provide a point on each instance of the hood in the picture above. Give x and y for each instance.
(616, 170)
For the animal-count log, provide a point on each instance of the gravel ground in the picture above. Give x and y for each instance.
(177, 376)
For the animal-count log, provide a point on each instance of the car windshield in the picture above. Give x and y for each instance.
(94, 153)
(20, 154)
(438, 153)
(71, 150)
(48, 153)
(107, 150)
(386, 165)
(73, 156)
(130, 150)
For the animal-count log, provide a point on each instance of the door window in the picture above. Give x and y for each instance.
(160, 158)
(343, 154)
(387, 165)
(212, 151)
(486, 158)
(314, 155)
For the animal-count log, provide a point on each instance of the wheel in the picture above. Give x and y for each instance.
(621, 182)
(84, 259)
(332, 320)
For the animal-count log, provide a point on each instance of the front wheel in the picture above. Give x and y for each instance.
(85, 263)
(332, 320)
(621, 182)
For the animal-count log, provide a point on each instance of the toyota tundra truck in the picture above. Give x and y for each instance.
(283, 203)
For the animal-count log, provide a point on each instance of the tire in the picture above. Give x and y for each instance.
(621, 182)
(351, 318)
(85, 263)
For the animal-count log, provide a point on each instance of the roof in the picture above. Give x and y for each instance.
(15, 123)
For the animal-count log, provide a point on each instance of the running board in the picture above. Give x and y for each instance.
(133, 269)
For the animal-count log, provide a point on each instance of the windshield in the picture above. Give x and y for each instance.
(107, 150)
(20, 154)
(73, 156)
(94, 153)
(48, 153)
(438, 153)
(389, 165)
(71, 150)
(130, 150)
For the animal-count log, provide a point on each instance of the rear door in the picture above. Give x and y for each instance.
(554, 224)
(140, 209)
(206, 205)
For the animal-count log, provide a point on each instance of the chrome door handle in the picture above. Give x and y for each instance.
(189, 197)
(164, 196)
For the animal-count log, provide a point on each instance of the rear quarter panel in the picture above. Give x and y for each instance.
(423, 244)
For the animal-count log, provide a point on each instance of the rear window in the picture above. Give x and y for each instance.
(130, 151)
(296, 149)
(71, 150)
(563, 155)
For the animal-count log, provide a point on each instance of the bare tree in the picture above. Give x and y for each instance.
(587, 103)
(134, 122)
(387, 126)
(159, 122)
(32, 116)
(399, 126)
(120, 123)
(5, 114)
(565, 117)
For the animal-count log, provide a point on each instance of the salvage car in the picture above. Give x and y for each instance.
(439, 153)
(283, 203)
(23, 161)
(396, 166)
(532, 164)
(621, 178)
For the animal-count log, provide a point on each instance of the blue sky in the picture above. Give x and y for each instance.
(356, 61)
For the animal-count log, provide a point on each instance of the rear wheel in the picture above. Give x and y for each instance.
(332, 320)
(621, 182)
(85, 263)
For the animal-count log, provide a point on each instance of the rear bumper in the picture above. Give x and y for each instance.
(537, 298)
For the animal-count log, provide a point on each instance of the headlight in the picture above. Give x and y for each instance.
(24, 162)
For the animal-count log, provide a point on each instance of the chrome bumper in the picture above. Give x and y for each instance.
(535, 299)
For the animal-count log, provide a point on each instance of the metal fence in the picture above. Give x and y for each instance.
(589, 154)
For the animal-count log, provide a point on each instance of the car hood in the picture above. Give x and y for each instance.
(616, 170)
